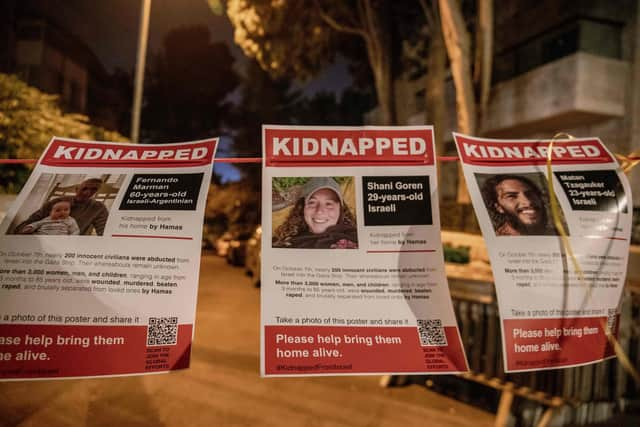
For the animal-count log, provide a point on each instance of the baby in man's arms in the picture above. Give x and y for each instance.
(59, 221)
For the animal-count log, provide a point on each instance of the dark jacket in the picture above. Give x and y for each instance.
(336, 237)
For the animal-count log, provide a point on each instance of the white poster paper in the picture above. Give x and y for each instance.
(550, 317)
(100, 257)
(353, 278)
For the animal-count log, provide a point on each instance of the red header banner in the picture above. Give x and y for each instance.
(287, 146)
(70, 153)
(487, 152)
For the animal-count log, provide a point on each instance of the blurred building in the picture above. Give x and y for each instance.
(559, 66)
(34, 46)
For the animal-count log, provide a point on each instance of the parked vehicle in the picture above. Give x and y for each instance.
(236, 252)
(221, 244)
(254, 256)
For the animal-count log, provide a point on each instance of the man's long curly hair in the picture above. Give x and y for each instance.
(490, 196)
(295, 224)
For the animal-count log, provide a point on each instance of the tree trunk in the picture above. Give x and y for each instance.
(384, 89)
(374, 26)
(379, 51)
(435, 87)
(435, 95)
(484, 52)
(458, 45)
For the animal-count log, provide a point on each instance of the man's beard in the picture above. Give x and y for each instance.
(539, 227)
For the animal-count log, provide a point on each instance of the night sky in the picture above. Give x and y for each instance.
(110, 29)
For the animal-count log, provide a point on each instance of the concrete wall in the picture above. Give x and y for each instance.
(573, 91)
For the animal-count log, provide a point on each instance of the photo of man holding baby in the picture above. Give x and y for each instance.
(79, 208)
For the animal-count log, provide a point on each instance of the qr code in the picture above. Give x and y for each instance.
(431, 332)
(162, 331)
(612, 318)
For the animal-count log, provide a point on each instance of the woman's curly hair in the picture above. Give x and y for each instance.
(295, 224)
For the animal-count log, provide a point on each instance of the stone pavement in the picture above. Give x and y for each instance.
(223, 386)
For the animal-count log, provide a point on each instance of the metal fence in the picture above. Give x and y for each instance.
(584, 395)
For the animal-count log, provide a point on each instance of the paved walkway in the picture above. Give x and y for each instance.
(223, 387)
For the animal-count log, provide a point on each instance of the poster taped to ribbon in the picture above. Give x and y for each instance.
(353, 278)
(553, 315)
(100, 257)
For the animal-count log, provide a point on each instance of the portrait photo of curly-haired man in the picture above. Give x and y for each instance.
(517, 204)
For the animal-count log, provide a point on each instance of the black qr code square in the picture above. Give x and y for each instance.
(162, 331)
(612, 318)
(431, 332)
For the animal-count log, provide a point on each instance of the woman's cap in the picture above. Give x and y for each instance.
(319, 183)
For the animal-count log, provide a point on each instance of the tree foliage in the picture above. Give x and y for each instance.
(461, 58)
(263, 99)
(287, 38)
(297, 37)
(29, 119)
(232, 205)
(328, 108)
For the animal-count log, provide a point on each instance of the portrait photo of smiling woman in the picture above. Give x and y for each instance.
(518, 205)
(320, 216)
